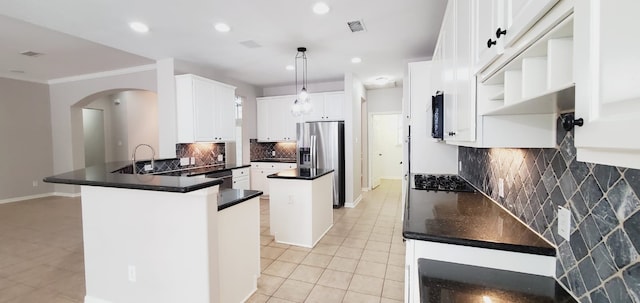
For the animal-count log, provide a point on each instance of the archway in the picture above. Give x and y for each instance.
(130, 118)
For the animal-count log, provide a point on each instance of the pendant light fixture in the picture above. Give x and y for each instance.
(302, 104)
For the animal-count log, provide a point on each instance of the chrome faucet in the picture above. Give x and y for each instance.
(153, 155)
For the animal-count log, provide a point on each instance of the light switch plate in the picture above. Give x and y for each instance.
(220, 157)
(184, 161)
(193, 160)
(564, 223)
(459, 165)
(501, 188)
(148, 167)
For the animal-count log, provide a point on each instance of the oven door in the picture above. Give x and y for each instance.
(225, 176)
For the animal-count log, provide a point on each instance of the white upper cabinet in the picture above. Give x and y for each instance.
(452, 61)
(275, 122)
(607, 90)
(500, 23)
(326, 106)
(205, 110)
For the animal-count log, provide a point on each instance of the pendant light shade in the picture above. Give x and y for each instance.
(302, 104)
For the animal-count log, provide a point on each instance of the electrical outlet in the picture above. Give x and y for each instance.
(564, 223)
(132, 273)
(35, 183)
(184, 161)
(148, 167)
(220, 158)
(501, 188)
(273, 153)
(459, 165)
(193, 160)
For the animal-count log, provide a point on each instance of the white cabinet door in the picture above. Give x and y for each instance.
(334, 106)
(521, 15)
(204, 105)
(317, 108)
(225, 109)
(257, 179)
(607, 90)
(263, 120)
(489, 17)
(465, 102)
(241, 183)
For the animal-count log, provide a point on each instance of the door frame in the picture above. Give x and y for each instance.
(370, 134)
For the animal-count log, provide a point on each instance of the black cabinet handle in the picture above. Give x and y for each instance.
(500, 32)
(491, 43)
(452, 134)
(569, 121)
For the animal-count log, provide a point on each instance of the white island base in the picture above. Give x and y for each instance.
(301, 209)
(166, 247)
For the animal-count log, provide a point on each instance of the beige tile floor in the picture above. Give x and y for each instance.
(360, 259)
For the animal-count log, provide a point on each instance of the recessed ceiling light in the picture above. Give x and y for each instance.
(320, 8)
(139, 27)
(290, 67)
(356, 60)
(222, 27)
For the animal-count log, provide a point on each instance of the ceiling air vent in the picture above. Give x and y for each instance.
(31, 54)
(356, 26)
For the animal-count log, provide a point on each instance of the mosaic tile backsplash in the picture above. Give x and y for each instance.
(204, 154)
(264, 150)
(600, 263)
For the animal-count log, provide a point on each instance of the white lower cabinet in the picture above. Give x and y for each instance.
(260, 171)
(241, 178)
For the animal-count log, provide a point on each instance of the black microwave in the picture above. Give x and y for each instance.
(437, 118)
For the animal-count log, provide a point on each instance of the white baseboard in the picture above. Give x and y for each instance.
(90, 299)
(354, 203)
(391, 178)
(69, 195)
(366, 189)
(30, 197)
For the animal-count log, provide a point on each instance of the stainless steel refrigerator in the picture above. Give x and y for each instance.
(321, 145)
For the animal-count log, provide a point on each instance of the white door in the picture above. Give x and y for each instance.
(606, 74)
(386, 158)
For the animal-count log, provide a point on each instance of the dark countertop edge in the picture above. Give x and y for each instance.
(181, 189)
(268, 160)
(536, 250)
(249, 194)
(277, 176)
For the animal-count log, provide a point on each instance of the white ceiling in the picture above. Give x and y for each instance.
(397, 32)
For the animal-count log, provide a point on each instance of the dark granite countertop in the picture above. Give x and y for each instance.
(229, 197)
(202, 170)
(102, 175)
(301, 173)
(283, 160)
(469, 219)
(444, 282)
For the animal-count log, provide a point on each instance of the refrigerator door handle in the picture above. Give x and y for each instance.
(313, 151)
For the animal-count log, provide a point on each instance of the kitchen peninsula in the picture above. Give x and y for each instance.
(301, 205)
(153, 238)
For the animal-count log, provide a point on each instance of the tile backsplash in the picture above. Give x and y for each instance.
(601, 261)
(264, 150)
(204, 153)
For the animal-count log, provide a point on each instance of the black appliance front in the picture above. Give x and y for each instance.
(437, 119)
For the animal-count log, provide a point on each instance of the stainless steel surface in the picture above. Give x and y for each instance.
(323, 141)
(133, 158)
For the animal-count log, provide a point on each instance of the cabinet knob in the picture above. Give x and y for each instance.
(500, 32)
(569, 121)
(491, 43)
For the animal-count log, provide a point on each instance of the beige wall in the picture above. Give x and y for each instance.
(25, 133)
(385, 100)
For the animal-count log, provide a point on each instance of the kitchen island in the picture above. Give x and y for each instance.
(152, 238)
(301, 205)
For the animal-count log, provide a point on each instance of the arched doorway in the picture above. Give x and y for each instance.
(124, 118)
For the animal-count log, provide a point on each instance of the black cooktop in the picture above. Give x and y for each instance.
(442, 183)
